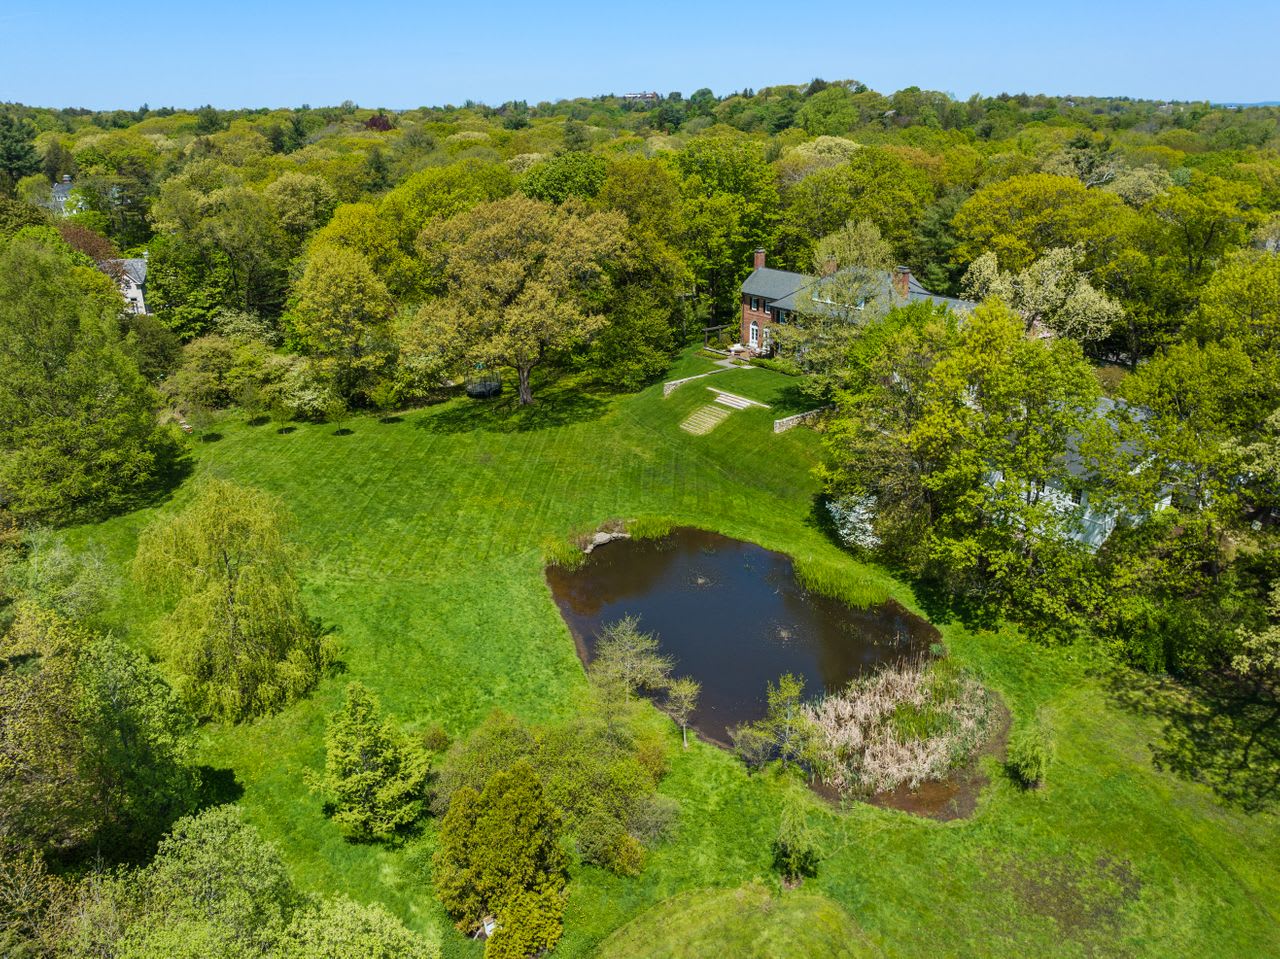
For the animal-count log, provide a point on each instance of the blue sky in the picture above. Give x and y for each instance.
(285, 53)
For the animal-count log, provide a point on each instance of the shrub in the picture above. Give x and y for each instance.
(601, 778)
(795, 851)
(375, 776)
(1030, 753)
(498, 847)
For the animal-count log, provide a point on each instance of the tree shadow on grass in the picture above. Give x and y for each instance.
(1219, 732)
(210, 437)
(258, 421)
(791, 400)
(552, 406)
(218, 787)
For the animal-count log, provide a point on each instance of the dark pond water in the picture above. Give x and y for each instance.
(733, 617)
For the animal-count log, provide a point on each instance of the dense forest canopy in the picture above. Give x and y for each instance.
(1109, 346)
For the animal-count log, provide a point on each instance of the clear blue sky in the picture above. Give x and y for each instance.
(285, 53)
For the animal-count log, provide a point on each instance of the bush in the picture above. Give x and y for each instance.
(1030, 753)
(374, 775)
(795, 851)
(528, 926)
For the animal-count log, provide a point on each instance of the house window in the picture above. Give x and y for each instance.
(1077, 497)
(755, 304)
(755, 333)
(767, 344)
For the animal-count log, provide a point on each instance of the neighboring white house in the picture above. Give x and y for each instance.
(131, 276)
(61, 201)
(1096, 521)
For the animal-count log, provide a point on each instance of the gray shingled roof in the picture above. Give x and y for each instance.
(135, 267)
(774, 284)
(788, 291)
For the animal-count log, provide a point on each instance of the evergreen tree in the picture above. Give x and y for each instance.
(18, 156)
(499, 854)
(374, 775)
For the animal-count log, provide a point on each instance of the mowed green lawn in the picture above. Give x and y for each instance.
(422, 544)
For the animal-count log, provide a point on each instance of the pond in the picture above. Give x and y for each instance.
(733, 617)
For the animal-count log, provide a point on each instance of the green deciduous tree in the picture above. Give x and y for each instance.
(795, 848)
(77, 420)
(94, 747)
(375, 777)
(1242, 300)
(342, 318)
(682, 700)
(560, 177)
(238, 634)
(521, 280)
(340, 928)
(1024, 217)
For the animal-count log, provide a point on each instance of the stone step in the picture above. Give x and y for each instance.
(734, 400)
(704, 419)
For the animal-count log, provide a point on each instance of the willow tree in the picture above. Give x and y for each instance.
(522, 280)
(237, 631)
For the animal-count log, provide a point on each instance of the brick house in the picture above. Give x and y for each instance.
(772, 297)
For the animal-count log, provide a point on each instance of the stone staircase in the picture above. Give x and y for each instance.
(733, 402)
(705, 418)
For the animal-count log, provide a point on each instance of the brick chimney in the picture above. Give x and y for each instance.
(901, 281)
(759, 260)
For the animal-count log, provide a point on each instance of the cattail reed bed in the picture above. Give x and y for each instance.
(907, 723)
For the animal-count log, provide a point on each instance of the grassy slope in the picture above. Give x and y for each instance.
(423, 542)
(746, 923)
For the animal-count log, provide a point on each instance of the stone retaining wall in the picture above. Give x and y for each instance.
(784, 424)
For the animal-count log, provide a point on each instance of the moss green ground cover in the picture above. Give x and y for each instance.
(423, 542)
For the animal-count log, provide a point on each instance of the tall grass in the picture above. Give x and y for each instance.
(649, 527)
(907, 723)
(837, 582)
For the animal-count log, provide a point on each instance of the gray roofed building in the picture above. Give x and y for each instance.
(131, 276)
(771, 297)
(61, 201)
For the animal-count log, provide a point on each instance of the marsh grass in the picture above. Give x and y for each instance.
(909, 722)
(838, 582)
